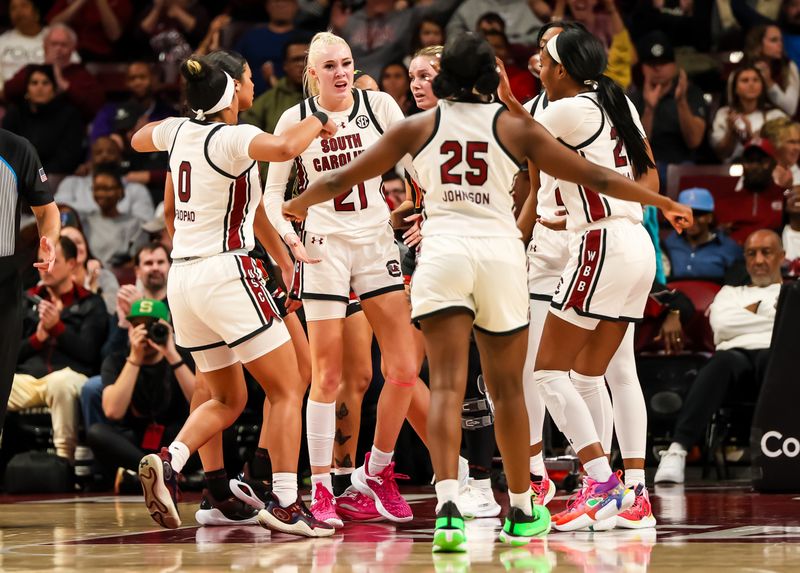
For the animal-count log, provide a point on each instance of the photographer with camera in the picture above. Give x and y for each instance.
(146, 390)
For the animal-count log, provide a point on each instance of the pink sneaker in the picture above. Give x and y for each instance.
(383, 490)
(353, 505)
(323, 507)
(543, 490)
(640, 514)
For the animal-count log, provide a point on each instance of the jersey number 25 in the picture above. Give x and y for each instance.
(479, 169)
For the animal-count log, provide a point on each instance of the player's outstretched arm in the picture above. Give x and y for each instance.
(378, 159)
(142, 140)
(293, 141)
(551, 156)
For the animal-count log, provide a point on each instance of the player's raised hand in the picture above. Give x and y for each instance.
(293, 211)
(679, 216)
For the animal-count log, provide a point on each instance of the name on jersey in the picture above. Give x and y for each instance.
(477, 197)
(341, 151)
(184, 215)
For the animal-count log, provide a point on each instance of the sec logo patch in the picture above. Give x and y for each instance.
(362, 121)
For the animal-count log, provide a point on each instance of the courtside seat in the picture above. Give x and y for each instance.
(698, 332)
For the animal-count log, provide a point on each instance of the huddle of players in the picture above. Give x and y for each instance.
(600, 271)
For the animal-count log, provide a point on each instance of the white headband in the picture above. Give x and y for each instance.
(224, 101)
(552, 49)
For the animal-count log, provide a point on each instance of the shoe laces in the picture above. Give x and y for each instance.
(539, 489)
(673, 454)
(323, 499)
(577, 498)
(388, 476)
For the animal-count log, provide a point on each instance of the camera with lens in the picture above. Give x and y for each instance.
(158, 332)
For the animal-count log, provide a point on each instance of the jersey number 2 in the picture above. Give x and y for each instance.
(185, 181)
(339, 203)
(454, 149)
(619, 159)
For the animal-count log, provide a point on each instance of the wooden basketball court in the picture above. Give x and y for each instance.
(701, 528)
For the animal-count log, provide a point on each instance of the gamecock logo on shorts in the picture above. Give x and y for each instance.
(394, 268)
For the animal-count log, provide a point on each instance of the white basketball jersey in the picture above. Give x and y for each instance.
(362, 209)
(546, 205)
(217, 187)
(581, 124)
(467, 174)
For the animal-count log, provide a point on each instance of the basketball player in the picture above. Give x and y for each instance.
(476, 498)
(250, 493)
(548, 254)
(467, 153)
(595, 299)
(352, 238)
(215, 177)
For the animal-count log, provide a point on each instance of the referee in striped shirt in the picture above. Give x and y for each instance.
(21, 176)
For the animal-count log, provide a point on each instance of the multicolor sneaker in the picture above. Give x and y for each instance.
(323, 507)
(160, 486)
(544, 489)
(295, 519)
(477, 502)
(253, 492)
(353, 505)
(595, 502)
(232, 511)
(382, 489)
(640, 514)
(449, 535)
(519, 528)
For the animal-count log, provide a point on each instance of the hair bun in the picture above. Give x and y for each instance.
(193, 70)
(487, 82)
(444, 86)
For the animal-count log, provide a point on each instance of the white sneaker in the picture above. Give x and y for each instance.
(672, 467)
(476, 502)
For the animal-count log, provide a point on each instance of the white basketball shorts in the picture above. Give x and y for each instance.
(609, 275)
(222, 310)
(485, 276)
(369, 265)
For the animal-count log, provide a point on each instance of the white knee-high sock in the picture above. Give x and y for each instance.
(593, 391)
(320, 430)
(534, 402)
(630, 410)
(567, 408)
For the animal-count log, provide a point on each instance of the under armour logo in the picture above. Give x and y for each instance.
(315, 240)
(343, 125)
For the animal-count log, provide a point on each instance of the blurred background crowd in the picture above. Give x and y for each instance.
(716, 83)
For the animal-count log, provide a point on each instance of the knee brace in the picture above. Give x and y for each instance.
(477, 411)
(566, 407)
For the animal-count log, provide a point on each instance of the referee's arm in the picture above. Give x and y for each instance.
(48, 221)
(33, 185)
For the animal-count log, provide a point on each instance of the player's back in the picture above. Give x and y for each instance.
(581, 124)
(467, 174)
(216, 186)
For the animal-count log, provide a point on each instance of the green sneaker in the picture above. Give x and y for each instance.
(449, 536)
(519, 528)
